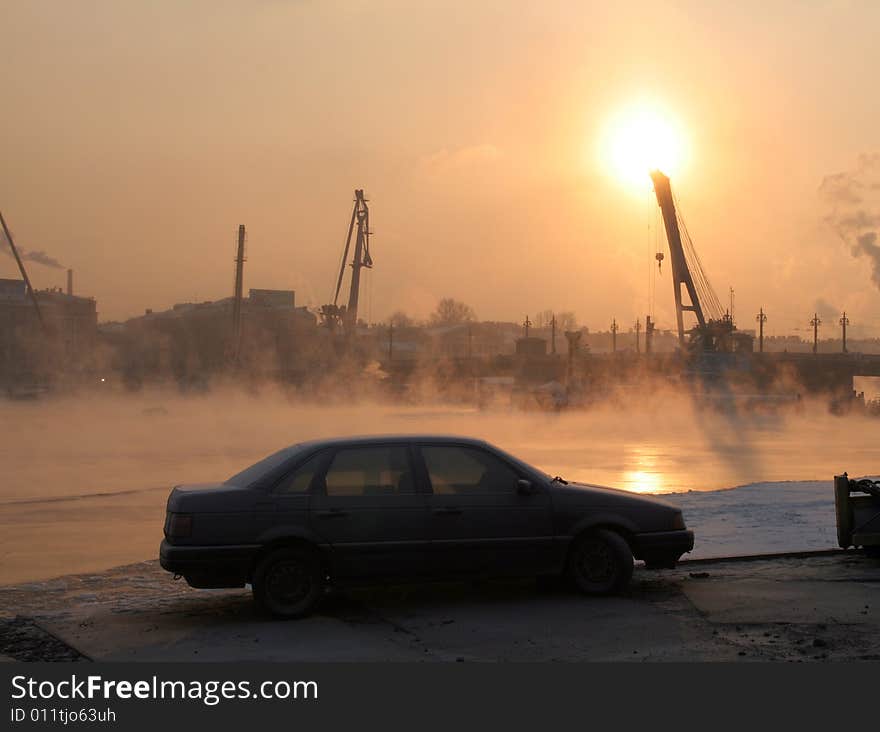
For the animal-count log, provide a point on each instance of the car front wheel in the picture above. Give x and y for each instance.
(600, 563)
(289, 582)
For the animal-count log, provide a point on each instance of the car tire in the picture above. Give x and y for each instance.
(289, 582)
(600, 563)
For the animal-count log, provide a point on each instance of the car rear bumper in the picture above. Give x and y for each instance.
(209, 566)
(662, 548)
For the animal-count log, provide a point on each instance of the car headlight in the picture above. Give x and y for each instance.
(678, 521)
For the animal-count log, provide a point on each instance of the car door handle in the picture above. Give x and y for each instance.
(332, 513)
(449, 511)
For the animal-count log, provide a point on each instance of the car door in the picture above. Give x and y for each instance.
(481, 523)
(368, 507)
(283, 510)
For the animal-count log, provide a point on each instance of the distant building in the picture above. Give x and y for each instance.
(531, 346)
(64, 343)
(12, 289)
(273, 298)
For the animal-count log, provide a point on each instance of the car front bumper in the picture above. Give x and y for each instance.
(662, 548)
(209, 566)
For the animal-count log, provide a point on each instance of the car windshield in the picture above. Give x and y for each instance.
(251, 475)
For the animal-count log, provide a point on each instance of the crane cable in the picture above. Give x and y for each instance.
(705, 291)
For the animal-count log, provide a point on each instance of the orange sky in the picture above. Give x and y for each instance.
(136, 136)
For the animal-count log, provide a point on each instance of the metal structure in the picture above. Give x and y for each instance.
(346, 316)
(649, 333)
(638, 327)
(815, 322)
(27, 282)
(553, 334)
(527, 324)
(714, 330)
(237, 293)
(761, 317)
(614, 329)
(844, 321)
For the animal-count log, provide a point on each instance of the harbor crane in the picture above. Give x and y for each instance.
(335, 315)
(714, 330)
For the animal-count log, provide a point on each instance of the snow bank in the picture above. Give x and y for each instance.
(760, 518)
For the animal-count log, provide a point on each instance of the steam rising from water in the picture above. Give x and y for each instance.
(854, 200)
(657, 443)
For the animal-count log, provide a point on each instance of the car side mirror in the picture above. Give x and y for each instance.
(524, 487)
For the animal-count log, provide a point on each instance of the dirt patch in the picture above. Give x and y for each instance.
(23, 640)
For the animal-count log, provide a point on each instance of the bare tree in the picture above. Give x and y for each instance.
(543, 318)
(400, 319)
(452, 312)
(566, 321)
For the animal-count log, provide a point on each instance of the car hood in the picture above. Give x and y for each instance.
(602, 495)
(209, 497)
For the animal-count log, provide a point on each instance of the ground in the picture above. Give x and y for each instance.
(820, 606)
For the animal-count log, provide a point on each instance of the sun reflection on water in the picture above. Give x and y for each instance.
(646, 475)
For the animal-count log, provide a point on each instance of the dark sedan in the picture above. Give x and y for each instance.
(377, 509)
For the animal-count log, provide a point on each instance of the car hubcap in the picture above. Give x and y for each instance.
(597, 562)
(289, 582)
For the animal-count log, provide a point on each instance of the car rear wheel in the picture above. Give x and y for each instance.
(600, 563)
(289, 582)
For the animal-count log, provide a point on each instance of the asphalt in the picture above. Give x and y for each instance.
(813, 607)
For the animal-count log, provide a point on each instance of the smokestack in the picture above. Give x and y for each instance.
(70, 282)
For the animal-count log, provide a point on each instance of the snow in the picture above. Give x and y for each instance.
(760, 518)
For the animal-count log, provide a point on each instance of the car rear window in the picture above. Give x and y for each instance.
(259, 470)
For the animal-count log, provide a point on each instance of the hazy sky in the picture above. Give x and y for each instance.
(136, 136)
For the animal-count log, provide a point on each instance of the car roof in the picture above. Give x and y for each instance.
(354, 440)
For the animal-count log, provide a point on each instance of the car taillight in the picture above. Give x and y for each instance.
(178, 525)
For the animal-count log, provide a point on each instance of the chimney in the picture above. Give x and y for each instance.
(70, 282)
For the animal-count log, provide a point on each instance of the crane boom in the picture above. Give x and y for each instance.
(681, 274)
(334, 314)
(24, 276)
(361, 258)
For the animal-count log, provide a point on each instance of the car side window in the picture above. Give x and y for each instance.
(455, 470)
(300, 480)
(382, 470)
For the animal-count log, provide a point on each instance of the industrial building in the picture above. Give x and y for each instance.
(48, 337)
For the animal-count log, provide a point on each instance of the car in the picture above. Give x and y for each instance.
(367, 510)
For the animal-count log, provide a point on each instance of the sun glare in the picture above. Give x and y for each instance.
(640, 138)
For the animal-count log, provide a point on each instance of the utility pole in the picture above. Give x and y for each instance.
(731, 306)
(844, 321)
(553, 334)
(237, 294)
(761, 317)
(649, 333)
(390, 342)
(815, 322)
(638, 330)
(527, 324)
(614, 329)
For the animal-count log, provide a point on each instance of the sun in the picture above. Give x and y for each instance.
(642, 137)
